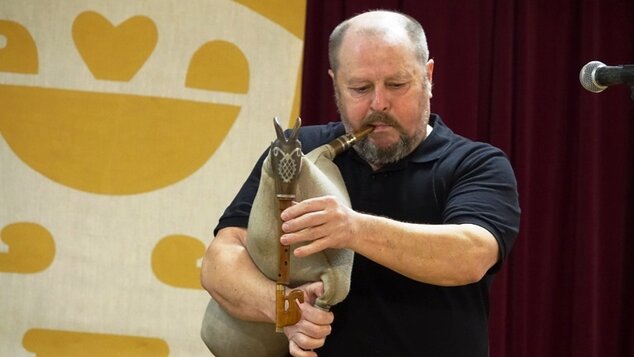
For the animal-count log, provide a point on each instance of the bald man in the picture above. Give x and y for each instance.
(433, 215)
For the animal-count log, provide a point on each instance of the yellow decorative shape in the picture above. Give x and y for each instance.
(174, 261)
(54, 343)
(19, 55)
(114, 52)
(111, 143)
(218, 66)
(297, 99)
(31, 248)
(290, 14)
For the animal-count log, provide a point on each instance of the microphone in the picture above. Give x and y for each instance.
(595, 76)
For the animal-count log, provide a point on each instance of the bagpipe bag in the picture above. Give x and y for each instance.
(225, 335)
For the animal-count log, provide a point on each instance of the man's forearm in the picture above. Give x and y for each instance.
(447, 255)
(230, 276)
(438, 254)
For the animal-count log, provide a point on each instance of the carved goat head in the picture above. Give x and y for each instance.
(286, 155)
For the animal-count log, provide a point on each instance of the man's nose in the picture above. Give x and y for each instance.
(380, 101)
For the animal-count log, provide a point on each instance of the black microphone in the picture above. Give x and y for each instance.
(596, 76)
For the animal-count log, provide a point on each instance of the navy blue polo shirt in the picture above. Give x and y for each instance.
(446, 179)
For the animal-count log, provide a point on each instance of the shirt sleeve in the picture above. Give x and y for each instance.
(237, 213)
(484, 192)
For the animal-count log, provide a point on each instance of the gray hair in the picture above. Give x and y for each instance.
(412, 27)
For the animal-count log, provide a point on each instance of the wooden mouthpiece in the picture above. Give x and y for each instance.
(345, 141)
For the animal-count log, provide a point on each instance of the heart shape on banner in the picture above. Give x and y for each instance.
(114, 52)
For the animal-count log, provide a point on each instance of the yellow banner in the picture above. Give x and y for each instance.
(126, 128)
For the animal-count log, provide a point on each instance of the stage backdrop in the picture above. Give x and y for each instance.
(507, 72)
(127, 127)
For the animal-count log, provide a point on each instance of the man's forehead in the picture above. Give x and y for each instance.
(389, 30)
(359, 44)
(359, 79)
(371, 36)
(378, 19)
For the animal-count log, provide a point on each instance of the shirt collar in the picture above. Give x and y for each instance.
(434, 144)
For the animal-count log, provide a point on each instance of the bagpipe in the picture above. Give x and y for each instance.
(287, 176)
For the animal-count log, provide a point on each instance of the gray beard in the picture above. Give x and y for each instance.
(381, 156)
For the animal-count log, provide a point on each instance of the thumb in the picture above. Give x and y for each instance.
(314, 290)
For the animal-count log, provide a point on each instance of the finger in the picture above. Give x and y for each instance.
(297, 351)
(312, 291)
(312, 336)
(314, 324)
(309, 219)
(307, 343)
(295, 210)
(306, 234)
(306, 206)
(311, 248)
(318, 321)
(315, 289)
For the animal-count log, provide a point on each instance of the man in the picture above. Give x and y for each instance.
(433, 214)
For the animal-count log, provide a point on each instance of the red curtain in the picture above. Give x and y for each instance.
(506, 72)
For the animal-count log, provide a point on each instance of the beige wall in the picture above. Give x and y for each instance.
(127, 126)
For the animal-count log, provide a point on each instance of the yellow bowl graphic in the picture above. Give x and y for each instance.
(111, 143)
(116, 143)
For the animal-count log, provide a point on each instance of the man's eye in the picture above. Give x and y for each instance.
(396, 85)
(360, 89)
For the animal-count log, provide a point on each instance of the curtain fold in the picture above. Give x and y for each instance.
(506, 72)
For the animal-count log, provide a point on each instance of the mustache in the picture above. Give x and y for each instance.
(383, 118)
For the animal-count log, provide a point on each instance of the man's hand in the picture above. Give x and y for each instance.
(321, 222)
(311, 330)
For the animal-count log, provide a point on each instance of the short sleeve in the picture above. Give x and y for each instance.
(484, 192)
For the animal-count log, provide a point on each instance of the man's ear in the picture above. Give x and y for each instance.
(332, 75)
(430, 74)
(430, 69)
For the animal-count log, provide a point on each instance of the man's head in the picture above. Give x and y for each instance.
(382, 77)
